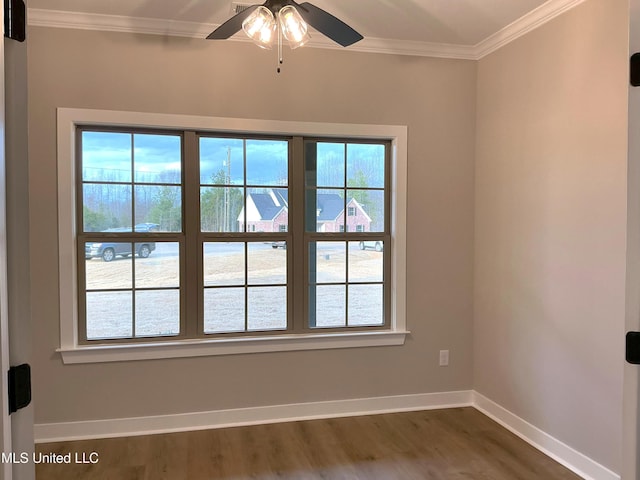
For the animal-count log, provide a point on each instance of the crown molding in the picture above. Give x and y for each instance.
(115, 23)
(395, 47)
(525, 24)
(153, 26)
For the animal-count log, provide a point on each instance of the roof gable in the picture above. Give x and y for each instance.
(265, 205)
(329, 206)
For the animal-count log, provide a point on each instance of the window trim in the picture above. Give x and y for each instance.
(73, 352)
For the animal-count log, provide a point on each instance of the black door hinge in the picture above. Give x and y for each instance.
(15, 20)
(19, 387)
(634, 70)
(632, 348)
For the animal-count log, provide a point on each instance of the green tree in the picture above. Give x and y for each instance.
(94, 221)
(370, 200)
(359, 180)
(166, 209)
(220, 206)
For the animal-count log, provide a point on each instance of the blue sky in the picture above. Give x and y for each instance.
(107, 156)
(266, 160)
(368, 158)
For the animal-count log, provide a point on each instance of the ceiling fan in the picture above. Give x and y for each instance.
(285, 18)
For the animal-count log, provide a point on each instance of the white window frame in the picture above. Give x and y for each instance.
(67, 121)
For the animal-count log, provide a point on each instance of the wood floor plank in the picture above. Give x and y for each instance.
(451, 444)
(322, 444)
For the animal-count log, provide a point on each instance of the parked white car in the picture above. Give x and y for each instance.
(374, 245)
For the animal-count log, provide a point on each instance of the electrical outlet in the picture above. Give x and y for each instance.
(444, 358)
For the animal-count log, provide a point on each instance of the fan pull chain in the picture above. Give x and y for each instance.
(280, 59)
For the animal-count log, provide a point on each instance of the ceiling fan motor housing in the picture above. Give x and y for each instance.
(276, 5)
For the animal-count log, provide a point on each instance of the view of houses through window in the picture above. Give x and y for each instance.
(190, 235)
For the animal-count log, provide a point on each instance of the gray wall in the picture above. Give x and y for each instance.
(435, 98)
(516, 228)
(551, 186)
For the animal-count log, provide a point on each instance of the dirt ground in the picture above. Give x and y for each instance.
(157, 312)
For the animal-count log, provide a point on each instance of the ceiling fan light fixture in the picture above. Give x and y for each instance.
(260, 27)
(293, 27)
(268, 23)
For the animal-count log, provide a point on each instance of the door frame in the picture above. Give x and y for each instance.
(5, 419)
(631, 383)
(15, 284)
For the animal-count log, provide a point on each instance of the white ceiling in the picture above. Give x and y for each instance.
(400, 24)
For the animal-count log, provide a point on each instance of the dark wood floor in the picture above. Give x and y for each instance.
(452, 444)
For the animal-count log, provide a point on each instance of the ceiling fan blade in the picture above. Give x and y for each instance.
(327, 24)
(231, 26)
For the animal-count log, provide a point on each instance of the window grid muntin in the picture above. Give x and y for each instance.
(245, 186)
(132, 236)
(82, 292)
(132, 132)
(311, 236)
(246, 285)
(299, 325)
(347, 284)
(246, 235)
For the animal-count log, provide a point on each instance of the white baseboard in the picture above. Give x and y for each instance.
(562, 453)
(124, 427)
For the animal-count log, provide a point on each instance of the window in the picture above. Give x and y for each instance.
(204, 235)
(346, 287)
(243, 181)
(130, 186)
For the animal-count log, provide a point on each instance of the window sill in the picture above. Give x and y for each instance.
(229, 346)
